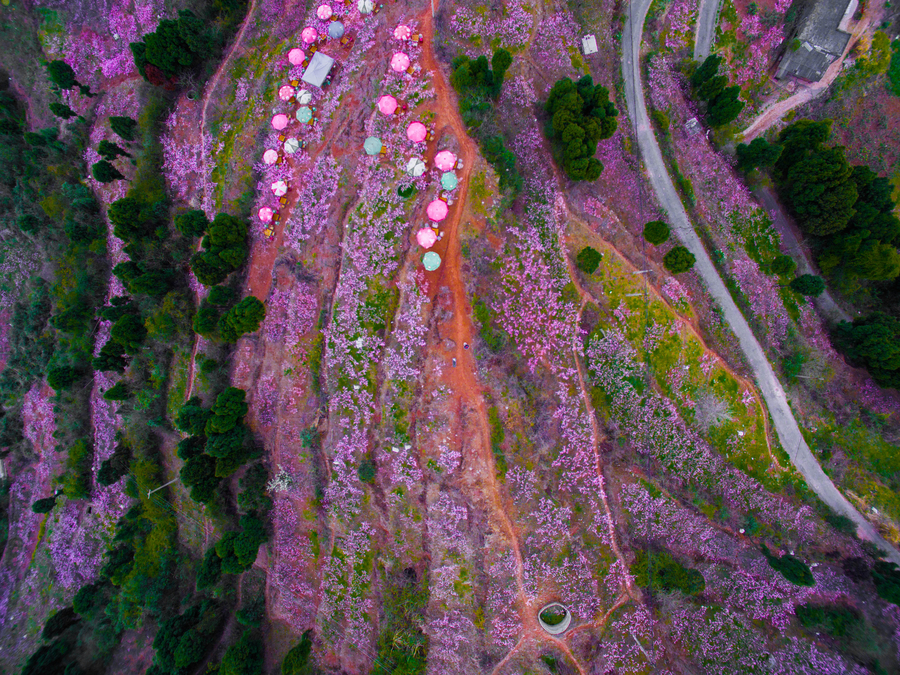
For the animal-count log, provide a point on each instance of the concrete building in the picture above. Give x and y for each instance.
(819, 40)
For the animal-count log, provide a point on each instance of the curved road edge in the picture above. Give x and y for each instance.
(785, 424)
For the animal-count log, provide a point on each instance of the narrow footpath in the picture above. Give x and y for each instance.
(783, 418)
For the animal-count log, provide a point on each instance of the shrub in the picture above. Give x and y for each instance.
(62, 111)
(661, 119)
(221, 296)
(210, 570)
(44, 505)
(61, 74)
(679, 260)
(62, 377)
(104, 172)
(874, 342)
(124, 127)
(366, 471)
(117, 392)
(808, 284)
(791, 568)
(244, 317)
(837, 621)
(78, 477)
(656, 232)
(192, 223)
(58, 622)
(887, 581)
(783, 265)
(244, 657)
(588, 260)
(663, 571)
(296, 660)
(253, 495)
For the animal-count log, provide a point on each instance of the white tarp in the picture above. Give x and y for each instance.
(318, 69)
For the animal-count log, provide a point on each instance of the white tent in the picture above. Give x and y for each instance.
(415, 166)
(589, 44)
(317, 70)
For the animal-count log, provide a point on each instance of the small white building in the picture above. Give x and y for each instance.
(589, 44)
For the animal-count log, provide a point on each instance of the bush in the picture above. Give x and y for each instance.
(783, 265)
(678, 260)
(58, 622)
(210, 570)
(244, 657)
(192, 223)
(124, 127)
(117, 392)
(62, 377)
(245, 317)
(62, 111)
(253, 495)
(656, 232)
(873, 341)
(44, 505)
(808, 284)
(837, 621)
(296, 660)
(887, 581)
(791, 568)
(661, 119)
(104, 172)
(588, 260)
(663, 571)
(366, 471)
(221, 296)
(78, 476)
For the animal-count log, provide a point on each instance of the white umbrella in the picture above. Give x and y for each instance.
(365, 6)
(304, 96)
(291, 146)
(415, 167)
(279, 188)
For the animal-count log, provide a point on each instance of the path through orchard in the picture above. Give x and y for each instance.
(782, 416)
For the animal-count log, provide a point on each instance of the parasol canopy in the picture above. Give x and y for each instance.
(265, 214)
(324, 12)
(387, 105)
(291, 146)
(449, 181)
(309, 34)
(304, 114)
(437, 210)
(304, 97)
(365, 6)
(416, 132)
(399, 62)
(285, 92)
(415, 167)
(279, 122)
(270, 156)
(444, 160)
(426, 237)
(279, 188)
(296, 56)
(431, 260)
(402, 32)
(335, 30)
(372, 146)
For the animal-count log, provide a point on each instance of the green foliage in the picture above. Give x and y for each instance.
(225, 250)
(192, 445)
(656, 232)
(48, 659)
(221, 296)
(44, 505)
(111, 358)
(78, 476)
(210, 570)
(894, 69)
(192, 417)
(820, 191)
(494, 338)
(835, 620)
(115, 467)
(174, 47)
(366, 471)
(199, 474)
(206, 320)
(192, 223)
(110, 151)
(808, 284)
(104, 172)
(244, 317)
(588, 260)
(887, 581)
(182, 641)
(244, 657)
(793, 364)
(662, 571)
(725, 107)
(63, 111)
(63, 377)
(783, 265)
(228, 411)
(661, 119)
(791, 568)
(402, 646)
(238, 550)
(296, 661)
(503, 161)
(580, 116)
(873, 342)
(88, 598)
(123, 127)
(59, 622)
(252, 496)
(129, 333)
(706, 71)
(678, 260)
(712, 88)
(61, 74)
(759, 154)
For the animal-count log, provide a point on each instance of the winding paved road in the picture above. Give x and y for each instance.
(772, 391)
(706, 28)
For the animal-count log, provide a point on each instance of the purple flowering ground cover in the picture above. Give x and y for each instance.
(449, 451)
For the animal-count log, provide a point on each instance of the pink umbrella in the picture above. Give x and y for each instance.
(280, 121)
(279, 188)
(265, 214)
(402, 32)
(387, 105)
(296, 55)
(270, 156)
(286, 92)
(437, 210)
(309, 34)
(416, 132)
(324, 12)
(399, 62)
(426, 237)
(444, 160)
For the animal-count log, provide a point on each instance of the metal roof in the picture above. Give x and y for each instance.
(821, 41)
